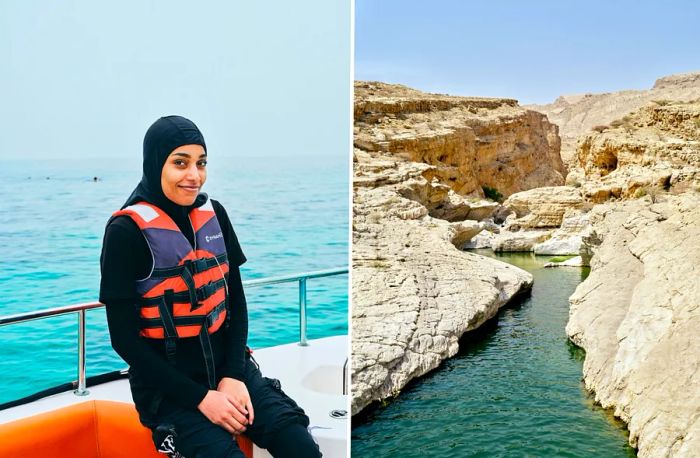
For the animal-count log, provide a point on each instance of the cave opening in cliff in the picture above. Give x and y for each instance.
(609, 164)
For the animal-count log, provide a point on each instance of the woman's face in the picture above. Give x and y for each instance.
(184, 174)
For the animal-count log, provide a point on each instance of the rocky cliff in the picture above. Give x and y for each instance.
(578, 114)
(652, 151)
(638, 319)
(656, 148)
(474, 143)
(422, 165)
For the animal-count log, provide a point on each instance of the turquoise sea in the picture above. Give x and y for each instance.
(513, 390)
(290, 215)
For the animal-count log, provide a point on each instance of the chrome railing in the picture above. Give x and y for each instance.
(81, 310)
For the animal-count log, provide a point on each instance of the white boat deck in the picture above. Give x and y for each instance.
(311, 375)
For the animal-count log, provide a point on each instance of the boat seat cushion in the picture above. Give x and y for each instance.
(92, 429)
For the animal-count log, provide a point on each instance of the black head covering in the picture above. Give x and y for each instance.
(164, 135)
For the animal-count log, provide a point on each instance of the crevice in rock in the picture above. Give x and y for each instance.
(438, 209)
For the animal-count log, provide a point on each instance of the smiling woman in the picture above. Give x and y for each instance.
(184, 173)
(177, 313)
(274, 101)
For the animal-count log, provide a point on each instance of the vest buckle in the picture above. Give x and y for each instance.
(205, 291)
(199, 265)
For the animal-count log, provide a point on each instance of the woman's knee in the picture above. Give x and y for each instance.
(193, 436)
(295, 441)
(213, 450)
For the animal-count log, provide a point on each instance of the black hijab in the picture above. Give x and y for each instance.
(164, 135)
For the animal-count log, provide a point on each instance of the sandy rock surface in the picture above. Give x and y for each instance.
(568, 238)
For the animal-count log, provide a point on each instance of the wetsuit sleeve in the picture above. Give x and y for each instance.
(236, 335)
(118, 293)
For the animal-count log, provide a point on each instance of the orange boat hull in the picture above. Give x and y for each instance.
(92, 429)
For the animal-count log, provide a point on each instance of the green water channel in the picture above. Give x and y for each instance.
(513, 390)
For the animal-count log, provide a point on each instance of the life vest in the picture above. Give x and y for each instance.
(185, 294)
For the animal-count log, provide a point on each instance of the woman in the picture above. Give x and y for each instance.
(177, 312)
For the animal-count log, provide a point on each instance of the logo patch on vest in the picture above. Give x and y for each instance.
(209, 238)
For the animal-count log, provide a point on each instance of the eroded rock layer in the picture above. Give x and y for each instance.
(579, 114)
(654, 149)
(638, 317)
(473, 143)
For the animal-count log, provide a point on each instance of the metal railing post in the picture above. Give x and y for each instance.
(82, 390)
(302, 312)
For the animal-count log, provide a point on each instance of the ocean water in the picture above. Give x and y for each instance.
(290, 215)
(513, 390)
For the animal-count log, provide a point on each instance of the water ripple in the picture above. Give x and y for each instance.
(513, 390)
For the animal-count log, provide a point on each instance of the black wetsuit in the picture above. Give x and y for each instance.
(164, 394)
(167, 396)
(126, 258)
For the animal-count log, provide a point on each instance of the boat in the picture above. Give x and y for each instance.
(95, 417)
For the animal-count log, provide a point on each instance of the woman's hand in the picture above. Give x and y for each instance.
(237, 390)
(221, 409)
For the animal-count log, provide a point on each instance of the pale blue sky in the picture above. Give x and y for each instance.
(85, 79)
(533, 51)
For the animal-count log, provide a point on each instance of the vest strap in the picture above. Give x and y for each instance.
(204, 340)
(191, 289)
(201, 293)
(194, 266)
(165, 307)
(227, 320)
(208, 353)
(192, 320)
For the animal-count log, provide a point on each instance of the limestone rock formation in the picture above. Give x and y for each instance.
(472, 143)
(556, 245)
(522, 240)
(545, 220)
(483, 239)
(414, 292)
(578, 114)
(638, 319)
(568, 238)
(543, 207)
(654, 149)
(423, 166)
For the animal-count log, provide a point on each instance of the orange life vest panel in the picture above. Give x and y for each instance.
(185, 294)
